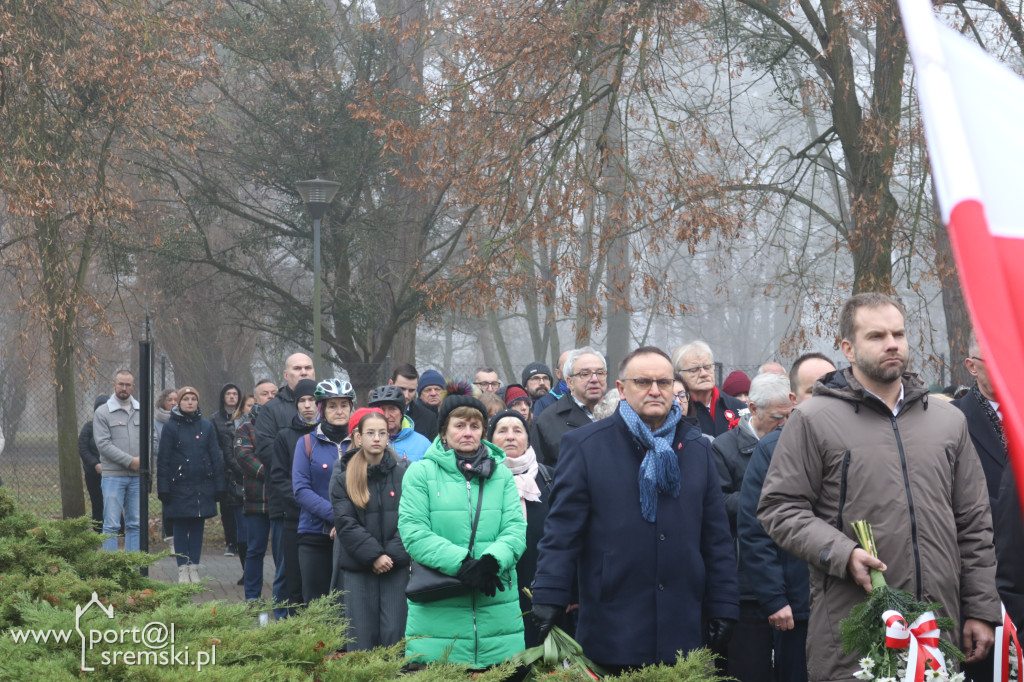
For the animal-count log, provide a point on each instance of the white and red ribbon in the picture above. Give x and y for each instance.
(1005, 634)
(922, 639)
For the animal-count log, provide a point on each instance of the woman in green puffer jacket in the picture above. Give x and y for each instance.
(435, 515)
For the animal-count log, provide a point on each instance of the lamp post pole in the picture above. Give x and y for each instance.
(317, 194)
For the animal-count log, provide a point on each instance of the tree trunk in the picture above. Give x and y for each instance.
(958, 322)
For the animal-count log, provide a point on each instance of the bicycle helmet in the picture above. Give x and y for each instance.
(333, 388)
(387, 395)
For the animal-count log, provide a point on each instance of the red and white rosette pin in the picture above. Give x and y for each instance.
(922, 639)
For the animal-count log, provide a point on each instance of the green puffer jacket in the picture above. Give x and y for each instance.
(435, 517)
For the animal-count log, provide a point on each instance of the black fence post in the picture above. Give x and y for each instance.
(145, 439)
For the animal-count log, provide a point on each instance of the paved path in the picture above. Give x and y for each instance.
(223, 572)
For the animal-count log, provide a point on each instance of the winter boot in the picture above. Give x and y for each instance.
(183, 574)
(193, 573)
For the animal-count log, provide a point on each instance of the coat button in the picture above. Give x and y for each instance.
(660, 586)
(661, 537)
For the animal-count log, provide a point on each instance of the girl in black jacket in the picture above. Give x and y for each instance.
(365, 489)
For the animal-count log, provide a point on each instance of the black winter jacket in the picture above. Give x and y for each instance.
(781, 578)
(365, 534)
(717, 424)
(87, 450)
(225, 426)
(424, 419)
(280, 495)
(274, 417)
(189, 466)
(556, 421)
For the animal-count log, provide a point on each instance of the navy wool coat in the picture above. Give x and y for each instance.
(189, 466)
(644, 588)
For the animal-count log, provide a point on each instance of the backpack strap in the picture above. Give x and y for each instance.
(308, 441)
(545, 473)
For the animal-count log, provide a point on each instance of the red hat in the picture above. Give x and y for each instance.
(353, 421)
(514, 394)
(737, 382)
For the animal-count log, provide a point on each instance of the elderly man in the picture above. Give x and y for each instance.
(750, 655)
(637, 507)
(870, 446)
(714, 411)
(781, 585)
(587, 377)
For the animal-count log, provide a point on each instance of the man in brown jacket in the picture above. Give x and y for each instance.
(870, 446)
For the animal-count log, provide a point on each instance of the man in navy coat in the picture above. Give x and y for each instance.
(636, 504)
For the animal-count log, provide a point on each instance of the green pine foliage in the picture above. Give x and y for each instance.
(48, 568)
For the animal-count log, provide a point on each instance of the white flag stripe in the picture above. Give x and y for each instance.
(963, 89)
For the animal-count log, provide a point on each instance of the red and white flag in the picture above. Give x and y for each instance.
(973, 111)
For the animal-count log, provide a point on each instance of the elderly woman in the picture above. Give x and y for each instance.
(508, 430)
(459, 474)
(189, 479)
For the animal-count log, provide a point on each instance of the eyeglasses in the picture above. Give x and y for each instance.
(975, 358)
(487, 384)
(698, 368)
(682, 397)
(586, 374)
(644, 383)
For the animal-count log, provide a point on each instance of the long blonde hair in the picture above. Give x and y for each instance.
(355, 472)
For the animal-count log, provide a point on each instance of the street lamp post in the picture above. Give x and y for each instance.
(317, 194)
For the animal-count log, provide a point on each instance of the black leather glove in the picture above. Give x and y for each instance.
(546, 617)
(718, 634)
(165, 498)
(481, 574)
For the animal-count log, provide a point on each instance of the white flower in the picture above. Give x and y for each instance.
(867, 663)
(957, 677)
(901, 673)
(930, 674)
(864, 675)
(886, 679)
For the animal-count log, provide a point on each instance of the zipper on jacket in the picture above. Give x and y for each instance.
(842, 489)
(910, 504)
(476, 635)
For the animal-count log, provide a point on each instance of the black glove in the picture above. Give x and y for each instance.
(546, 617)
(481, 574)
(718, 634)
(165, 498)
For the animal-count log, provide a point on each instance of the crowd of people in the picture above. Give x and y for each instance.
(658, 517)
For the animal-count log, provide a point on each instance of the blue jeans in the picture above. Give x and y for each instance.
(257, 528)
(188, 540)
(277, 549)
(121, 493)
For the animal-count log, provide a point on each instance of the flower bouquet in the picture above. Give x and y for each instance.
(897, 636)
(558, 652)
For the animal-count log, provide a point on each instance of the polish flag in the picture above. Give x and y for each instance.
(973, 111)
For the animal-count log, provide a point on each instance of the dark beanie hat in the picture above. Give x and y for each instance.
(515, 393)
(736, 382)
(100, 400)
(429, 378)
(536, 368)
(501, 415)
(303, 388)
(453, 401)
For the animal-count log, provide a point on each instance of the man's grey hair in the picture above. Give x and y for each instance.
(576, 354)
(686, 348)
(766, 389)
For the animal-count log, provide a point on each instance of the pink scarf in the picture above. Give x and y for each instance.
(524, 473)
